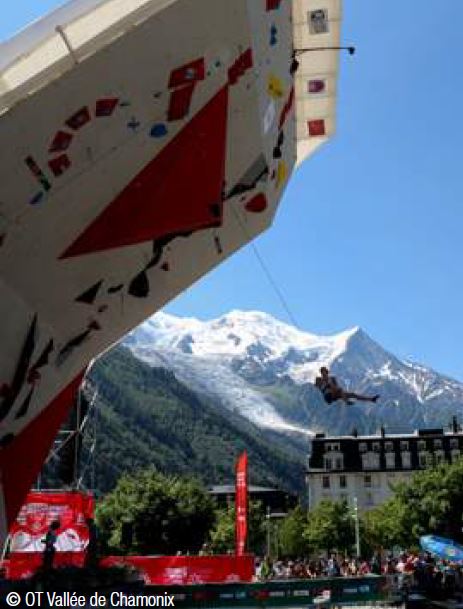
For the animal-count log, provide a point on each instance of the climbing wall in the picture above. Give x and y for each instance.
(124, 179)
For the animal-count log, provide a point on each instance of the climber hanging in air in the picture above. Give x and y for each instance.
(332, 392)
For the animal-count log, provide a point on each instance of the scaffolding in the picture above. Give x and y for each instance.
(73, 453)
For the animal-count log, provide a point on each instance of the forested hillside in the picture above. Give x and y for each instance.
(146, 417)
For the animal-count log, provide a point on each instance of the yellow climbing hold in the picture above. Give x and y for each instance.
(275, 87)
(282, 173)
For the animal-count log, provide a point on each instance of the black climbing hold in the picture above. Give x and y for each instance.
(25, 405)
(215, 210)
(6, 439)
(139, 286)
(115, 288)
(21, 370)
(88, 297)
(218, 245)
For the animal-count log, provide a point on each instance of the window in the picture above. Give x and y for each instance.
(422, 445)
(422, 459)
(376, 447)
(370, 461)
(363, 447)
(389, 446)
(342, 482)
(318, 21)
(404, 445)
(335, 447)
(338, 462)
(406, 460)
(454, 443)
(455, 453)
(328, 463)
(326, 482)
(429, 459)
(367, 481)
(437, 443)
(439, 456)
(390, 460)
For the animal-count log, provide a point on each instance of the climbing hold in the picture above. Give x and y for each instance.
(158, 130)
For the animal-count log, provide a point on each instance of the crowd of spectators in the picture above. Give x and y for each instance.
(407, 571)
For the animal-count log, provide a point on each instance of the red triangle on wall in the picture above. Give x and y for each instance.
(179, 191)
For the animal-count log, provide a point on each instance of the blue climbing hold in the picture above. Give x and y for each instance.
(36, 198)
(273, 35)
(158, 130)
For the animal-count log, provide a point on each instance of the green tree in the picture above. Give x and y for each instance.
(383, 527)
(431, 503)
(330, 526)
(222, 536)
(291, 533)
(164, 514)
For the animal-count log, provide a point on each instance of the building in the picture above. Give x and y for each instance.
(364, 467)
(273, 500)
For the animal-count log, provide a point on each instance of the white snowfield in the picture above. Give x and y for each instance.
(210, 357)
(232, 335)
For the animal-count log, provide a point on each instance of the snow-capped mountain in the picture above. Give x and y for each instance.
(264, 369)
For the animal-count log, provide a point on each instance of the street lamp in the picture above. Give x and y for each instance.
(296, 52)
(357, 528)
(350, 50)
(269, 516)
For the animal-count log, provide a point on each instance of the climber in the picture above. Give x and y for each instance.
(333, 392)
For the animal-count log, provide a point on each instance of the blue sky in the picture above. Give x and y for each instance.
(370, 230)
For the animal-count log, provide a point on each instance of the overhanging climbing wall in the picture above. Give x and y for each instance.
(140, 148)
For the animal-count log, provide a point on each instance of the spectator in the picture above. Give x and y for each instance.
(50, 542)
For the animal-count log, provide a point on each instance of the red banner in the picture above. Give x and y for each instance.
(40, 510)
(241, 504)
(183, 570)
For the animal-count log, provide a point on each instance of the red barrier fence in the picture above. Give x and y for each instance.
(22, 565)
(155, 570)
(183, 570)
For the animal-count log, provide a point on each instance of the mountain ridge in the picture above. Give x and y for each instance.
(254, 364)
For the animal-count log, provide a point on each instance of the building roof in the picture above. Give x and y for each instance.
(353, 452)
(228, 489)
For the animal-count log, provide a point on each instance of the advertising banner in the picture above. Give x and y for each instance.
(241, 504)
(71, 508)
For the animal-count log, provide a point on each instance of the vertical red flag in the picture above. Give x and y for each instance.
(241, 503)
